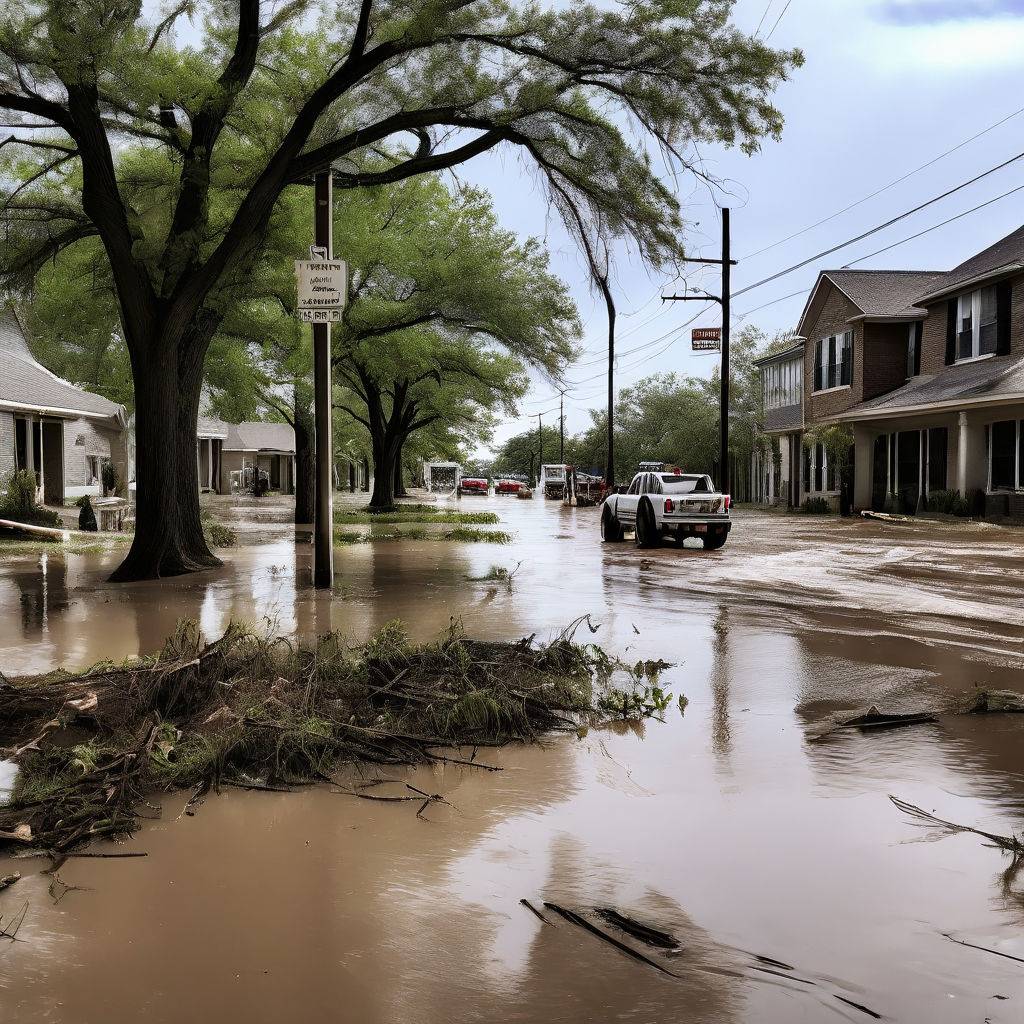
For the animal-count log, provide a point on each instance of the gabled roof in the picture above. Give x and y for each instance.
(27, 384)
(985, 380)
(260, 437)
(877, 294)
(1003, 257)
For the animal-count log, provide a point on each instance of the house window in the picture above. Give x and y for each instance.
(833, 362)
(92, 470)
(977, 326)
(914, 348)
(1002, 451)
(781, 384)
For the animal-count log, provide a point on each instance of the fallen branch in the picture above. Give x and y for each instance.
(581, 922)
(533, 910)
(984, 949)
(1011, 844)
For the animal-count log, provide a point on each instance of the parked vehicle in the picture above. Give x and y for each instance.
(473, 485)
(552, 481)
(660, 505)
(506, 485)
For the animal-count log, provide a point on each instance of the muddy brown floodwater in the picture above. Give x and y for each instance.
(732, 826)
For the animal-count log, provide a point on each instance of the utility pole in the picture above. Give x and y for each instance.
(540, 447)
(323, 540)
(726, 263)
(561, 427)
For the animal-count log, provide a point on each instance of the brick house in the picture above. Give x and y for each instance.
(61, 431)
(927, 369)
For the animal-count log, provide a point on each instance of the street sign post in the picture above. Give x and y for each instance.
(320, 284)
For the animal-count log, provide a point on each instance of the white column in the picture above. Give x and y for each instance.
(30, 444)
(961, 455)
(863, 466)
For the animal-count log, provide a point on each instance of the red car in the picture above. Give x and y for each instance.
(507, 487)
(473, 485)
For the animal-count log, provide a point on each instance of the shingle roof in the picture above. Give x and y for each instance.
(1005, 255)
(782, 354)
(884, 292)
(28, 384)
(998, 377)
(259, 437)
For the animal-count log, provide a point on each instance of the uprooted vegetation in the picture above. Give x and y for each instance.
(414, 514)
(267, 712)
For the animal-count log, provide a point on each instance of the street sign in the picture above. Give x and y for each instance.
(706, 339)
(319, 316)
(321, 284)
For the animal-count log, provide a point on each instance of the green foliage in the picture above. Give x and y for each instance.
(635, 704)
(816, 507)
(836, 439)
(948, 503)
(221, 536)
(19, 501)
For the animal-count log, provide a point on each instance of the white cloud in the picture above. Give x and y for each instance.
(983, 44)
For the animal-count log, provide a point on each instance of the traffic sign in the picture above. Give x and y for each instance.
(321, 284)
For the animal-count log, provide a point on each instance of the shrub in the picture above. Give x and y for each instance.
(948, 503)
(19, 501)
(817, 507)
(221, 536)
(86, 516)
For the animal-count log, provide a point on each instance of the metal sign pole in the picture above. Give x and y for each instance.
(323, 540)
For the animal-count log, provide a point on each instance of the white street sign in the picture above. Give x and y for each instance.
(320, 316)
(321, 284)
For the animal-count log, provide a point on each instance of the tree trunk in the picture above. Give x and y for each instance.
(169, 538)
(366, 474)
(400, 491)
(305, 480)
(385, 451)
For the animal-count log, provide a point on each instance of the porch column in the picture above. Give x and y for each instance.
(961, 454)
(863, 466)
(30, 445)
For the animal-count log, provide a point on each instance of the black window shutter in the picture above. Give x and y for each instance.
(817, 365)
(1004, 294)
(951, 332)
(849, 358)
(918, 332)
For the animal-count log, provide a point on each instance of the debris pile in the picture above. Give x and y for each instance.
(269, 713)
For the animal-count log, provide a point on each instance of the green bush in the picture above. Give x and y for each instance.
(817, 507)
(221, 536)
(948, 503)
(19, 501)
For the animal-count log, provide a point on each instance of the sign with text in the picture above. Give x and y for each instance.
(319, 316)
(706, 339)
(321, 284)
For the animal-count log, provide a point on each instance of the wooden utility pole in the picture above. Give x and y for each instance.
(561, 427)
(726, 263)
(323, 539)
(540, 447)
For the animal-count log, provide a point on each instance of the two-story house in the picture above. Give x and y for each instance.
(776, 469)
(927, 368)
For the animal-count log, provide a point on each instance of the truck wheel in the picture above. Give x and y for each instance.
(611, 528)
(713, 541)
(647, 535)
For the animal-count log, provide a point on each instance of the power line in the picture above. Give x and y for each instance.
(763, 16)
(777, 20)
(879, 227)
(878, 252)
(885, 188)
(935, 227)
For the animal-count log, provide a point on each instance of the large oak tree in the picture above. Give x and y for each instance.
(581, 92)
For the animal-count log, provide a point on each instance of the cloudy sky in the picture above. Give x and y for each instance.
(888, 85)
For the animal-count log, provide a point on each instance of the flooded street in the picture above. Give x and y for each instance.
(795, 890)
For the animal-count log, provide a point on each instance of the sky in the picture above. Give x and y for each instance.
(887, 86)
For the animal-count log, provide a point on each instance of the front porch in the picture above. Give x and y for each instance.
(899, 461)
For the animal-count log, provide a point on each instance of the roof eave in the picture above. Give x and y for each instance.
(1007, 270)
(951, 405)
(61, 413)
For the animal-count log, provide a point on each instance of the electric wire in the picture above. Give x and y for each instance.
(885, 188)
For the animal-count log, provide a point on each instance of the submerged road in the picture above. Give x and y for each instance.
(735, 826)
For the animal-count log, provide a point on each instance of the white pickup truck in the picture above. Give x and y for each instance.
(659, 505)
